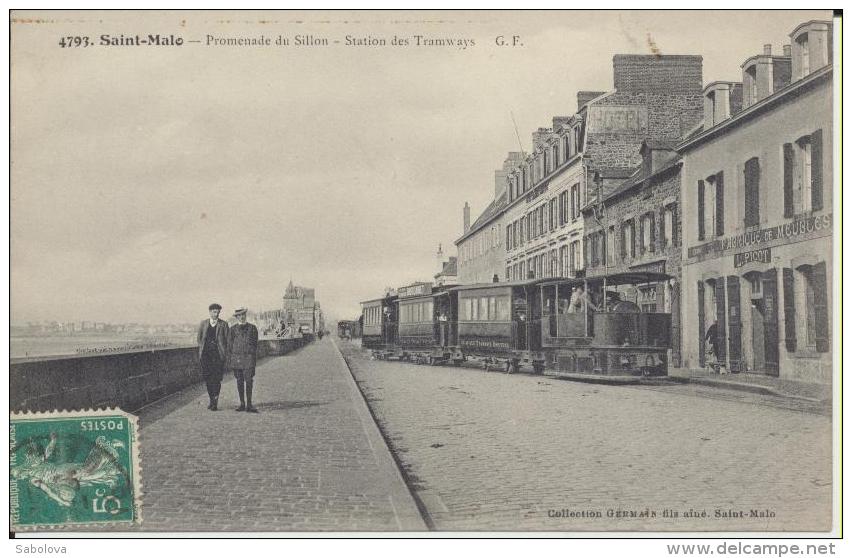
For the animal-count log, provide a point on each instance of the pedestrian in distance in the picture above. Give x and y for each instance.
(213, 352)
(712, 336)
(242, 357)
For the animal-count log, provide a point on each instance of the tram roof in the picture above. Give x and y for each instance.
(614, 279)
(374, 300)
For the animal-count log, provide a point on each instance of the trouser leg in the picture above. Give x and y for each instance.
(241, 391)
(249, 386)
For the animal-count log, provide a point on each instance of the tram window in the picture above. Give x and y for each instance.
(503, 311)
(492, 307)
(474, 309)
(483, 308)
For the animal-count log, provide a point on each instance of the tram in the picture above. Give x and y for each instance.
(560, 325)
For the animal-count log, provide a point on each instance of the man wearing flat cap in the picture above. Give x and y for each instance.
(242, 357)
(213, 352)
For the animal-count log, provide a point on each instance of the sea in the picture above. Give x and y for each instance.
(53, 346)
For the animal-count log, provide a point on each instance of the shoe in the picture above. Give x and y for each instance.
(240, 408)
(251, 409)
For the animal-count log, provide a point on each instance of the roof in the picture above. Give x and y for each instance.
(372, 300)
(614, 279)
(791, 91)
(450, 267)
(669, 144)
(615, 172)
(639, 177)
(490, 212)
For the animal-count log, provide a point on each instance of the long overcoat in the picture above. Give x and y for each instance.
(242, 346)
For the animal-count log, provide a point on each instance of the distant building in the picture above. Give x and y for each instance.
(757, 211)
(449, 273)
(481, 249)
(300, 308)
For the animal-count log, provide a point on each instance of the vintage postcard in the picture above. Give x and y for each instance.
(463, 272)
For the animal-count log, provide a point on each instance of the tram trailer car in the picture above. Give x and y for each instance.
(528, 323)
(426, 325)
(379, 330)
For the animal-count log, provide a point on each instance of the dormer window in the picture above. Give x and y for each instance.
(751, 84)
(804, 54)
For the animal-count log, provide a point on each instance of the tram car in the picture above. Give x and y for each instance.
(427, 325)
(555, 324)
(379, 328)
(563, 325)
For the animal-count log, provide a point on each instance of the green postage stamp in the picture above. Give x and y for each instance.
(75, 468)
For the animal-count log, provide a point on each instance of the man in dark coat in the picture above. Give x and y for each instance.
(242, 357)
(213, 352)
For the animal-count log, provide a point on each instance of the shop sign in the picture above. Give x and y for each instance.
(763, 255)
(786, 231)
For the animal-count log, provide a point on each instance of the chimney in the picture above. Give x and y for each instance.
(583, 97)
(786, 49)
(671, 74)
(767, 50)
(466, 212)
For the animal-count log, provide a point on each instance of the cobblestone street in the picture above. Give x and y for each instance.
(490, 451)
(311, 460)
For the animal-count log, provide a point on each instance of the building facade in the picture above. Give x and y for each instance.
(655, 97)
(481, 250)
(757, 203)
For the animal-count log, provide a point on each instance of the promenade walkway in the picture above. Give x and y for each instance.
(311, 460)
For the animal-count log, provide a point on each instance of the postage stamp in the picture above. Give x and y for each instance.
(73, 468)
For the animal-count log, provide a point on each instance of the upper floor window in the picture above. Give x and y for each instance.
(648, 230)
(711, 203)
(751, 176)
(628, 239)
(575, 201)
(803, 175)
(668, 224)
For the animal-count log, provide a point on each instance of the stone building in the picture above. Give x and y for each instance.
(633, 225)
(655, 97)
(481, 250)
(757, 204)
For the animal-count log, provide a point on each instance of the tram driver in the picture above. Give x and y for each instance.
(580, 300)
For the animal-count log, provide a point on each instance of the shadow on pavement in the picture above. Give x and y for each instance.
(285, 405)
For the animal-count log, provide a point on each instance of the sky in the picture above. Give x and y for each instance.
(148, 182)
